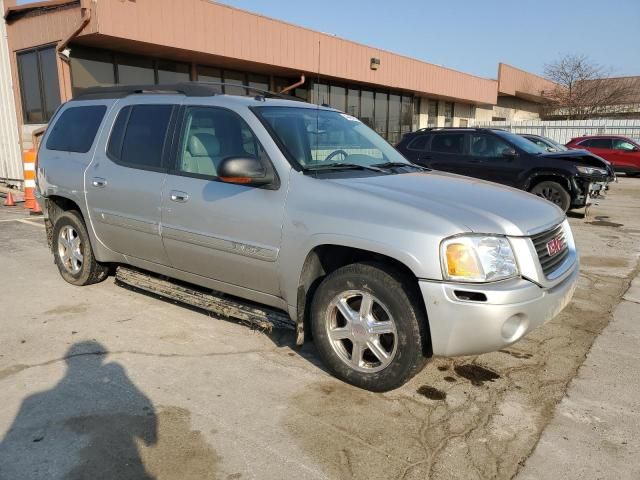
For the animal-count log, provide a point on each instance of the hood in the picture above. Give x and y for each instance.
(471, 204)
(580, 156)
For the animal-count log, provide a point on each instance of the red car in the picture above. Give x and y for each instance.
(622, 152)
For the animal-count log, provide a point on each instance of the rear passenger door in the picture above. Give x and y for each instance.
(223, 231)
(124, 181)
(446, 152)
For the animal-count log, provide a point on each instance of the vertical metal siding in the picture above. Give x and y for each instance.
(10, 155)
(564, 130)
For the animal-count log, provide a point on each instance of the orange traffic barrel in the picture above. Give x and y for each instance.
(29, 158)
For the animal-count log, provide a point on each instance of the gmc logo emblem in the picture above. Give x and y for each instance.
(554, 246)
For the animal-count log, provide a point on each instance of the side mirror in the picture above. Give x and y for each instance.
(244, 171)
(509, 153)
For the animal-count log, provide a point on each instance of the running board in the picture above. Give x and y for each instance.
(262, 318)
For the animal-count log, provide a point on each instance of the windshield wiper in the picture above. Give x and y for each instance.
(344, 166)
(401, 164)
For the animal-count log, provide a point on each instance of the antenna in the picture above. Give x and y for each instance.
(317, 134)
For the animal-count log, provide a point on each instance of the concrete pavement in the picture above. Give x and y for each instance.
(104, 382)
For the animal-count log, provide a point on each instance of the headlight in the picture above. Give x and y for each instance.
(592, 170)
(477, 258)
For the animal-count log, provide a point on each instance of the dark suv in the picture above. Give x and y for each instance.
(567, 179)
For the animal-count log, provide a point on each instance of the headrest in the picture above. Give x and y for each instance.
(203, 145)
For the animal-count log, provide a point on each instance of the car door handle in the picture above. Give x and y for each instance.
(178, 196)
(99, 182)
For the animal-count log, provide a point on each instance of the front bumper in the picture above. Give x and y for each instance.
(512, 309)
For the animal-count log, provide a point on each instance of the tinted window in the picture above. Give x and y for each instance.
(448, 143)
(212, 134)
(353, 102)
(395, 108)
(39, 85)
(135, 70)
(366, 106)
(76, 129)
(170, 72)
(208, 74)
(380, 114)
(234, 78)
(486, 146)
(619, 144)
(258, 81)
(597, 143)
(91, 68)
(142, 143)
(419, 143)
(448, 114)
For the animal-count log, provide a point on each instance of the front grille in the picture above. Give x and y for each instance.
(550, 263)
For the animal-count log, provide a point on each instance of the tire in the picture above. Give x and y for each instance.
(553, 192)
(633, 175)
(73, 253)
(397, 312)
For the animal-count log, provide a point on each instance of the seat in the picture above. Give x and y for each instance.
(202, 155)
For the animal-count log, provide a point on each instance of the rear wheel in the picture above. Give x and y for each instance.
(369, 327)
(73, 253)
(554, 192)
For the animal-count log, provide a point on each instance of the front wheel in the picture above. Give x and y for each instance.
(369, 327)
(554, 192)
(73, 253)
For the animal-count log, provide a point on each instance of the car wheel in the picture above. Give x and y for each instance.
(73, 253)
(554, 192)
(369, 326)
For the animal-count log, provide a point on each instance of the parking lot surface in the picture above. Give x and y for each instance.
(105, 382)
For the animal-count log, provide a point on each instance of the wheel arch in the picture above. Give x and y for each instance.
(325, 258)
(549, 176)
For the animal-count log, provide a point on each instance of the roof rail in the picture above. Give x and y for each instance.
(189, 89)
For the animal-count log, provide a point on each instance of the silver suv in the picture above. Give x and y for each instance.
(305, 209)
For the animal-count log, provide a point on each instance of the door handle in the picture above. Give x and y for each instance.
(98, 182)
(177, 196)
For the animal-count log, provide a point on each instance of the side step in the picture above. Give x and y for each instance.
(264, 319)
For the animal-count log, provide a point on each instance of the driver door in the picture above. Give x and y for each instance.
(490, 163)
(223, 231)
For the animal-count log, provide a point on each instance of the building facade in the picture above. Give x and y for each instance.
(58, 47)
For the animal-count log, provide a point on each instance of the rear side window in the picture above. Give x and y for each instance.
(448, 143)
(138, 136)
(75, 130)
(597, 143)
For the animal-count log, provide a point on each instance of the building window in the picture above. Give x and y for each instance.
(464, 122)
(353, 102)
(395, 110)
(366, 107)
(432, 120)
(135, 70)
(415, 121)
(338, 98)
(261, 82)
(380, 113)
(92, 68)
(210, 74)
(448, 114)
(172, 72)
(406, 115)
(320, 94)
(39, 86)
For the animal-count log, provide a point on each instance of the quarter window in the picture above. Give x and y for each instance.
(448, 143)
(76, 129)
(38, 75)
(138, 136)
(211, 135)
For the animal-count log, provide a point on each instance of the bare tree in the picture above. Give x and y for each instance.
(583, 89)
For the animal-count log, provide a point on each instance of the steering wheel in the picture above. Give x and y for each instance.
(335, 153)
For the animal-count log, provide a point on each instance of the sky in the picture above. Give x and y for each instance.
(475, 35)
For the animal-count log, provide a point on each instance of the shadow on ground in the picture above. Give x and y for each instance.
(95, 423)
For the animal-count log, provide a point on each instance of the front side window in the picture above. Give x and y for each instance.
(619, 144)
(486, 146)
(315, 138)
(138, 136)
(520, 142)
(448, 143)
(39, 86)
(211, 135)
(75, 130)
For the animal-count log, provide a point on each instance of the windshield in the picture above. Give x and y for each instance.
(317, 139)
(521, 142)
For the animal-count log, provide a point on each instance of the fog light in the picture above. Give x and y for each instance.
(515, 327)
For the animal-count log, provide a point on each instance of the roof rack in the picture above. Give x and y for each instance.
(189, 89)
